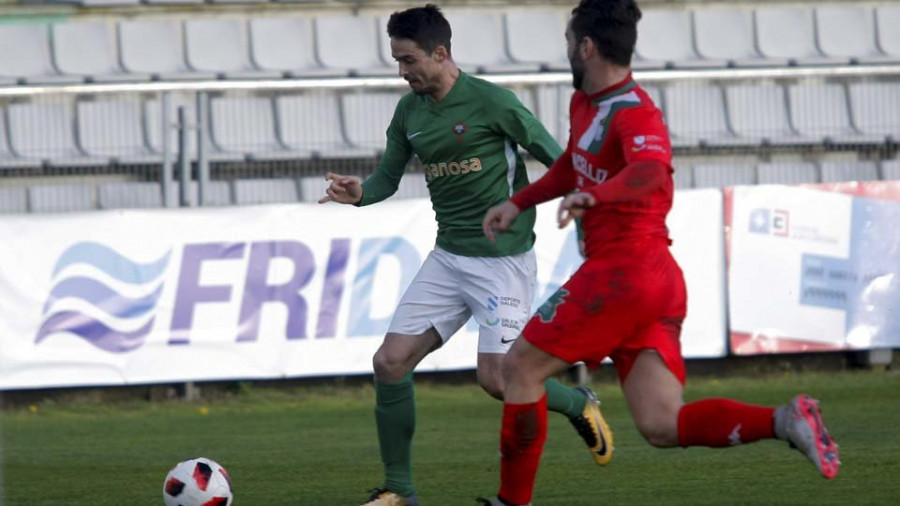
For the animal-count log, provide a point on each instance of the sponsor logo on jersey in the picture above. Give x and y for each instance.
(648, 143)
(586, 169)
(436, 170)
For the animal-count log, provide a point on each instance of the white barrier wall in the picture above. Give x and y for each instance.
(123, 297)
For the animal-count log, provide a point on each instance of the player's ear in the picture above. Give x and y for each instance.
(587, 47)
(439, 54)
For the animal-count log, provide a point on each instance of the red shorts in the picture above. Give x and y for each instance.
(620, 302)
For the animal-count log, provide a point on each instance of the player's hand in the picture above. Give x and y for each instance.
(499, 218)
(343, 189)
(573, 207)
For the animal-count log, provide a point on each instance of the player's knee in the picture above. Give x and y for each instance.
(390, 366)
(659, 433)
(493, 387)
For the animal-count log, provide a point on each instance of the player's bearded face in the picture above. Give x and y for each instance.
(575, 59)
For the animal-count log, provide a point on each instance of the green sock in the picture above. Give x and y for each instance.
(563, 399)
(395, 415)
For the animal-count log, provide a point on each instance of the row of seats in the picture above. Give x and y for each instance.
(717, 175)
(128, 130)
(515, 41)
(121, 195)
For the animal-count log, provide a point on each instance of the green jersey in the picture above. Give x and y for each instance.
(468, 145)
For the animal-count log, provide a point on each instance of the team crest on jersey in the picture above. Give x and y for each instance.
(459, 129)
(547, 311)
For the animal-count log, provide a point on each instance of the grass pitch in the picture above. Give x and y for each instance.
(317, 447)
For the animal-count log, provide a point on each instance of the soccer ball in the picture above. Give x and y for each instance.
(197, 482)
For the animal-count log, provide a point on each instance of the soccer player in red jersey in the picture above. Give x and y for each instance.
(628, 300)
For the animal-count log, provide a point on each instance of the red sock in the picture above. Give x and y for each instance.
(521, 444)
(723, 422)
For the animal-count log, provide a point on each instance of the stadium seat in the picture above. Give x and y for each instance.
(44, 132)
(366, 116)
(287, 45)
(887, 19)
(216, 193)
(58, 198)
(129, 195)
(156, 47)
(836, 172)
(412, 186)
(152, 118)
(821, 111)
(246, 125)
(114, 129)
(173, 2)
(656, 96)
(351, 44)
(265, 191)
(8, 159)
(787, 173)
(313, 122)
(683, 177)
(89, 49)
(727, 34)
(759, 114)
(874, 107)
(220, 45)
(713, 175)
(848, 32)
(13, 199)
(478, 44)
(890, 170)
(665, 38)
(553, 110)
(31, 62)
(531, 38)
(696, 116)
(789, 32)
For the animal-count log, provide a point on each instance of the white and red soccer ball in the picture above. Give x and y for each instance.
(197, 482)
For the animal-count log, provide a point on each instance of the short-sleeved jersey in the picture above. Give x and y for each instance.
(468, 146)
(609, 130)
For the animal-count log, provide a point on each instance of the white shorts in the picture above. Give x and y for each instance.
(449, 289)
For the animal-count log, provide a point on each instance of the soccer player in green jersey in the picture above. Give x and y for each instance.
(465, 132)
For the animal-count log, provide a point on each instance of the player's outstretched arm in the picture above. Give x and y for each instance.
(499, 218)
(343, 189)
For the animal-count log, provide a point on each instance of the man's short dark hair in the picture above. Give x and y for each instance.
(426, 26)
(611, 24)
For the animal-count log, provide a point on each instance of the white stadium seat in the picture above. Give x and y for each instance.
(822, 111)
(366, 116)
(44, 132)
(287, 45)
(31, 62)
(665, 37)
(874, 107)
(129, 195)
(836, 172)
(313, 122)
(887, 19)
(789, 32)
(712, 175)
(478, 44)
(90, 49)
(13, 199)
(58, 198)
(787, 173)
(727, 34)
(531, 38)
(890, 170)
(156, 47)
(848, 31)
(695, 115)
(246, 125)
(265, 191)
(219, 45)
(114, 129)
(350, 44)
(759, 113)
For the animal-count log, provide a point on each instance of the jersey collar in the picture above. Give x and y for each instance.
(623, 86)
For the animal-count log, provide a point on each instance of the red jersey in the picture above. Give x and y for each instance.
(609, 130)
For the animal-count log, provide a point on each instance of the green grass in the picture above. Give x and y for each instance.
(313, 447)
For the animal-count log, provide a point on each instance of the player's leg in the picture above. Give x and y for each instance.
(429, 312)
(499, 292)
(654, 394)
